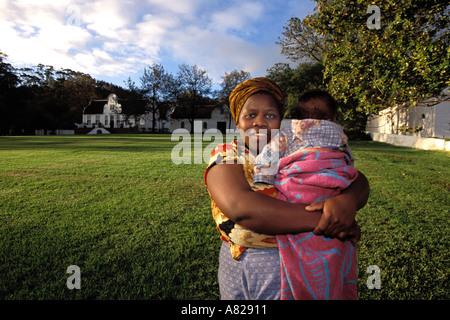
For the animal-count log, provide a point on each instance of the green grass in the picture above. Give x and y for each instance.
(405, 224)
(140, 227)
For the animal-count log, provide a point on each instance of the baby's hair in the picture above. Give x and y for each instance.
(315, 113)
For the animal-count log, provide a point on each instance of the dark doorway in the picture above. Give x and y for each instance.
(222, 127)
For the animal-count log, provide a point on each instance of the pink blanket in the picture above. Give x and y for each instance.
(315, 267)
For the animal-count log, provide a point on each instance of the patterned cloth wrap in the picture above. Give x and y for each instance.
(314, 164)
(237, 236)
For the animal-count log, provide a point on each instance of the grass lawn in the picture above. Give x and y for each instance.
(140, 227)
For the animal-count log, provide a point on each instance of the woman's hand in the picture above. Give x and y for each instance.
(339, 212)
(338, 218)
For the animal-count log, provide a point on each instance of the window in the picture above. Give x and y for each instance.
(205, 125)
(182, 124)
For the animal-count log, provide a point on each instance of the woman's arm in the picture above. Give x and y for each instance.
(256, 211)
(339, 212)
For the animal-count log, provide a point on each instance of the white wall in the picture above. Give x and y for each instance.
(435, 120)
(412, 142)
(442, 120)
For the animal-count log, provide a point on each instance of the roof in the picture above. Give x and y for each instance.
(96, 106)
(203, 112)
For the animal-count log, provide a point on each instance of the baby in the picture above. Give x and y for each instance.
(307, 161)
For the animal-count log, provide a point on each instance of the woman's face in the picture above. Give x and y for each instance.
(258, 117)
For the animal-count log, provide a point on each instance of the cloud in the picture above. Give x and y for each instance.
(223, 41)
(237, 17)
(33, 35)
(92, 37)
(182, 7)
(106, 18)
(218, 53)
(116, 39)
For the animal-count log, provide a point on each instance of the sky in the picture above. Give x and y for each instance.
(113, 40)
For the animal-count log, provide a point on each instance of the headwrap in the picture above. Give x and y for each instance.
(243, 91)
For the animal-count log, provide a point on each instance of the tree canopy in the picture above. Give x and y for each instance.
(157, 85)
(40, 97)
(295, 81)
(405, 61)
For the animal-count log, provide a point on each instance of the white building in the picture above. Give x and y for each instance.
(212, 117)
(107, 115)
(161, 120)
(429, 119)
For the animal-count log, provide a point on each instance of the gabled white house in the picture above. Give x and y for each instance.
(106, 115)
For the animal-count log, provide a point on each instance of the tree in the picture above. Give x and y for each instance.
(40, 97)
(156, 85)
(76, 90)
(301, 42)
(194, 84)
(133, 103)
(8, 89)
(229, 81)
(295, 81)
(8, 77)
(403, 62)
(45, 98)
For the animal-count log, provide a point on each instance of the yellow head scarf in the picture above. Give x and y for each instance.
(243, 91)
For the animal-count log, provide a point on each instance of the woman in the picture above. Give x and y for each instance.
(248, 216)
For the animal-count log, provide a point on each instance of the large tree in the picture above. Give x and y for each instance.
(403, 61)
(295, 81)
(75, 90)
(8, 93)
(157, 85)
(40, 97)
(301, 42)
(195, 85)
(47, 99)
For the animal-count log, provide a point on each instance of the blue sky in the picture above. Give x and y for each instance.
(112, 40)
